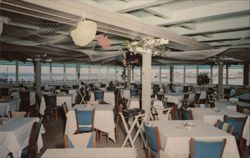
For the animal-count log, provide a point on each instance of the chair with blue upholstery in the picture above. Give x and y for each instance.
(99, 95)
(134, 93)
(85, 120)
(207, 148)
(224, 126)
(238, 124)
(153, 141)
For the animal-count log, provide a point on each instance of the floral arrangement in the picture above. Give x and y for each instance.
(202, 79)
(148, 45)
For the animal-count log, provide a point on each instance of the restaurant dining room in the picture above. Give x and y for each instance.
(124, 79)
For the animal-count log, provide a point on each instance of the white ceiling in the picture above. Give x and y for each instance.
(43, 26)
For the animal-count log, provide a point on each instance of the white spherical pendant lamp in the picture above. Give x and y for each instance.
(84, 33)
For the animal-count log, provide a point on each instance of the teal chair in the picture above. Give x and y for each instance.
(153, 141)
(99, 95)
(207, 149)
(187, 114)
(85, 120)
(238, 124)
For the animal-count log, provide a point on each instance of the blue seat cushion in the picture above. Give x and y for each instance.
(208, 149)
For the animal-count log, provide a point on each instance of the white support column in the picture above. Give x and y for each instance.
(146, 81)
(211, 74)
(220, 79)
(116, 73)
(184, 77)
(89, 72)
(17, 73)
(227, 66)
(38, 83)
(129, 77)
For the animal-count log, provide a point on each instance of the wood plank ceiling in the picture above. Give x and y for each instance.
(40, 30)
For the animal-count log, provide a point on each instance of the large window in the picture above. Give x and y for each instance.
(165, 74)
(26, 72)
(93, 72)
(119, 71)
(45, 72)
(111, 73)
(191, 74)
(57, 72)
(235, 75)
(137, 74)
(84, 72)
(71, 72)
(7, 71)
(103, 72)
(178, 74)
(215, 74)
(155, 76)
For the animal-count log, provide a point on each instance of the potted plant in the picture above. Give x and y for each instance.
(202, 79)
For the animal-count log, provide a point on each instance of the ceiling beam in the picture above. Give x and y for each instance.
(136, 5)
(112, 19)
(222, 40)
(211, 11)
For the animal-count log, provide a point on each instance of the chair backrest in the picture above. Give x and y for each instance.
(25, 100)
(85, 120)
(99, 95)
(19, 114)
(207, 148)
(185, 89)
(65, 109)
(4, 92)
(224, 126)
(238, 124)
(50, 100)
(187, 114)
(153, 141)
(134, 93)
(32, 147)
(197, 97)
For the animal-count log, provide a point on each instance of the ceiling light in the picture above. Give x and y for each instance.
(84, 33)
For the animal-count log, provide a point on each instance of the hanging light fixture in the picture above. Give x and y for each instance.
(84, 33)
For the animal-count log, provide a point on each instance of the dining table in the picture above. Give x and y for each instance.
(7, 105)
(211, 115)
(14, 135)
(103, 120)
(175, 137)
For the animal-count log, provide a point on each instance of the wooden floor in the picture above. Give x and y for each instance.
(53, 138)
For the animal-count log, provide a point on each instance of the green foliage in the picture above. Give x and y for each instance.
(202, 79)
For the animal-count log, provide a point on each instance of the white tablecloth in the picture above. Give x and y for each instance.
(109, 97)
(73, 93)
(134, 103)
(210, 116)
(11, 105)
(175, 98)
(177, 137)
(32, 96)
(14, 135)
(225, 104)
(91, 153)
(59, 100)
(103, 121)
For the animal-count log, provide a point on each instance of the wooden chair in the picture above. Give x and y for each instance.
(238, 124)
(207, 149)
(65, 109)
(85, 120)
(19, 114)
(224, 126)
(25, 101)
(51, 105)
(31, 151)
(153, 141)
